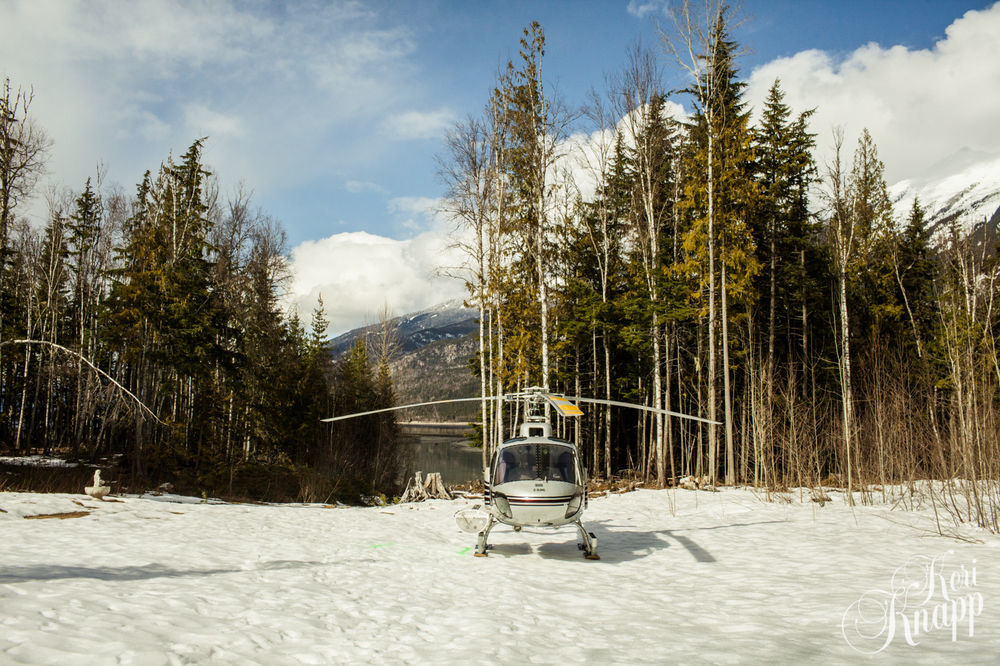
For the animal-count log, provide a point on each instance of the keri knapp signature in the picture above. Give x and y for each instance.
(925, 595)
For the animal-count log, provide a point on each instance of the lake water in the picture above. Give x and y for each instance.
(453, 458)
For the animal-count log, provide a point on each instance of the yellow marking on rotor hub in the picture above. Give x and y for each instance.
(565, 407)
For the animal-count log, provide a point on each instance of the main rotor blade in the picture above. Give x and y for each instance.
(419, 404)
(644, 408)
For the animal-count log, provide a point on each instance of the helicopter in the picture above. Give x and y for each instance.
(534, 479)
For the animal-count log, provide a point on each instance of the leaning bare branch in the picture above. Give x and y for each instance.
(92, 366)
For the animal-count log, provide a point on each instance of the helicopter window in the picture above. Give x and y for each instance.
(527, 462)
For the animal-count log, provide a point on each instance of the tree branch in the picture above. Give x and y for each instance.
(94, 367)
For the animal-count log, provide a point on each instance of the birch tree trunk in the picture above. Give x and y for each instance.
(730, 455)
(847, 398)
(712, 410)
(481, 308)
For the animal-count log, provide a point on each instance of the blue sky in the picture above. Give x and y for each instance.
(459, 45)
(333, 112)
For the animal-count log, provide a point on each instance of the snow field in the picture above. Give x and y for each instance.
(685, 576)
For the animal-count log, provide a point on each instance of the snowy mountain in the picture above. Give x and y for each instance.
(445, 321)
(433, 347)
(965, 187)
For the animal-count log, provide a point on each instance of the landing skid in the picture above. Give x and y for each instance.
(481, 545)
(589, 545)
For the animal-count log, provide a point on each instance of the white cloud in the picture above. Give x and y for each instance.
(641, 8)
(207, 122)
(359, 186)
(416, 213)
(424, 206)
(273, 86)
(358, 274)
(419, 124)
(142, 124)
(921, 106)
(585, 155)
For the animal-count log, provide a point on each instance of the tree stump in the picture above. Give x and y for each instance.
(434, 487)
(419, 488)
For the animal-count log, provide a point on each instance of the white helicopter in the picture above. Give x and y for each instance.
(534, 479)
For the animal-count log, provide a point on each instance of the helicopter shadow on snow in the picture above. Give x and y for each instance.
(44, 572)
(621, 543)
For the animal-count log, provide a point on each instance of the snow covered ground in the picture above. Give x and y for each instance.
(685, 576)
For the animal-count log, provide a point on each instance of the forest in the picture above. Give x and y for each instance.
(703, 264)
(147, 329)
(708, 265)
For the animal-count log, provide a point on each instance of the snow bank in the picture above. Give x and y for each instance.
(36, 461)
(684, 576)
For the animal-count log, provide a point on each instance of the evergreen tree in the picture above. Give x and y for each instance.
(719, 196)
(84, 229)
(85, 226)
(787, 285)
(163, 306)
(914, 267)
(364, 451)
(318, 339)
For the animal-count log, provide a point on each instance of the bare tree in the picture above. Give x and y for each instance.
(23, 150)
(601, 233)
(639, 97)
(859, 213)
(842, 236)
(468, 170)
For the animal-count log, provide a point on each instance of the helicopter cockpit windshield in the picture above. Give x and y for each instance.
(531, 461)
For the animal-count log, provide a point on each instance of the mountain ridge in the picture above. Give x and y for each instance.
(430, 350)
(450, 320)
(970, 195)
